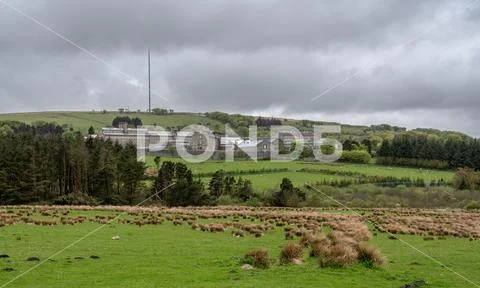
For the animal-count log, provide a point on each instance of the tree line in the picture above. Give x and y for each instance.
(131, 122)
(431, 151)
(175, 186)
(44, 163)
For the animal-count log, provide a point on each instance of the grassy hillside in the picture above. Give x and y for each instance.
(262, 181)
(83, 120)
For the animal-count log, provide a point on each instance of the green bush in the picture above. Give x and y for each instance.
(466, 178)
(356, 156)
(411, 162)
(473, 205)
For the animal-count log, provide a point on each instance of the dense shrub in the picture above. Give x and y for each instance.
(412, 162)
(288, 196)
(466, 178)
(473, 205)
(356, 156)
(385, 181)
(242, 172)
(131, 122)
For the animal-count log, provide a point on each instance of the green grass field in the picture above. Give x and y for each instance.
(81, 121)
(272, 180)
(177, 256)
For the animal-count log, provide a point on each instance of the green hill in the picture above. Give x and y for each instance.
(83, 120)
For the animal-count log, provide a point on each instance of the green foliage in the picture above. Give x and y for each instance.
(472, 205)
(162, 111)
(185, 193)
(157, 161)
(409, 162)
(466, 178)
(307, 152)
(223, 184)
(242, 172)
(48, 164)
(131, 122)
(176, 187)
(288, 196)
(327, 149)
(267, 122)
(236, 121)
(356, 156)
(432, 151)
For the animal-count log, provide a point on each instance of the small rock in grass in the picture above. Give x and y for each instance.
(247, 267)
(33, 258)
(4, 256)
(94, 257)
(297, 261)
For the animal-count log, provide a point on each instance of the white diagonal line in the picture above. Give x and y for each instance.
(308, 185)
(80, 239)
(384, 61)
(81, 48)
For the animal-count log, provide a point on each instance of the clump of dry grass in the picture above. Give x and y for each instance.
(177, 222)
(258, 258)
(217, 227)
(370, 256)
(339, 250)
(338, 255)
(291, 253)
(318, 244)
(307, 238)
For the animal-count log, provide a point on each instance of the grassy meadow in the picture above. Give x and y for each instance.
(178, 256)
(264, 181)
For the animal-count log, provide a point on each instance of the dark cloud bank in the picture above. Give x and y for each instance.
(408, 63)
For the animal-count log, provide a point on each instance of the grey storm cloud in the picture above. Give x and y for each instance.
(408, 63)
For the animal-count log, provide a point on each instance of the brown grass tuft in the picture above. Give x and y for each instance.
(369, 255)
(259, 258)
(338, 255)
(291, 252)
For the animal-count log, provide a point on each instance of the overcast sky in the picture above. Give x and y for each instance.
(409, 63)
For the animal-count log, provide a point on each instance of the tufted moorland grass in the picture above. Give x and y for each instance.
(177, 256)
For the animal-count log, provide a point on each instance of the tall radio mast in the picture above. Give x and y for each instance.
(149, 88)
